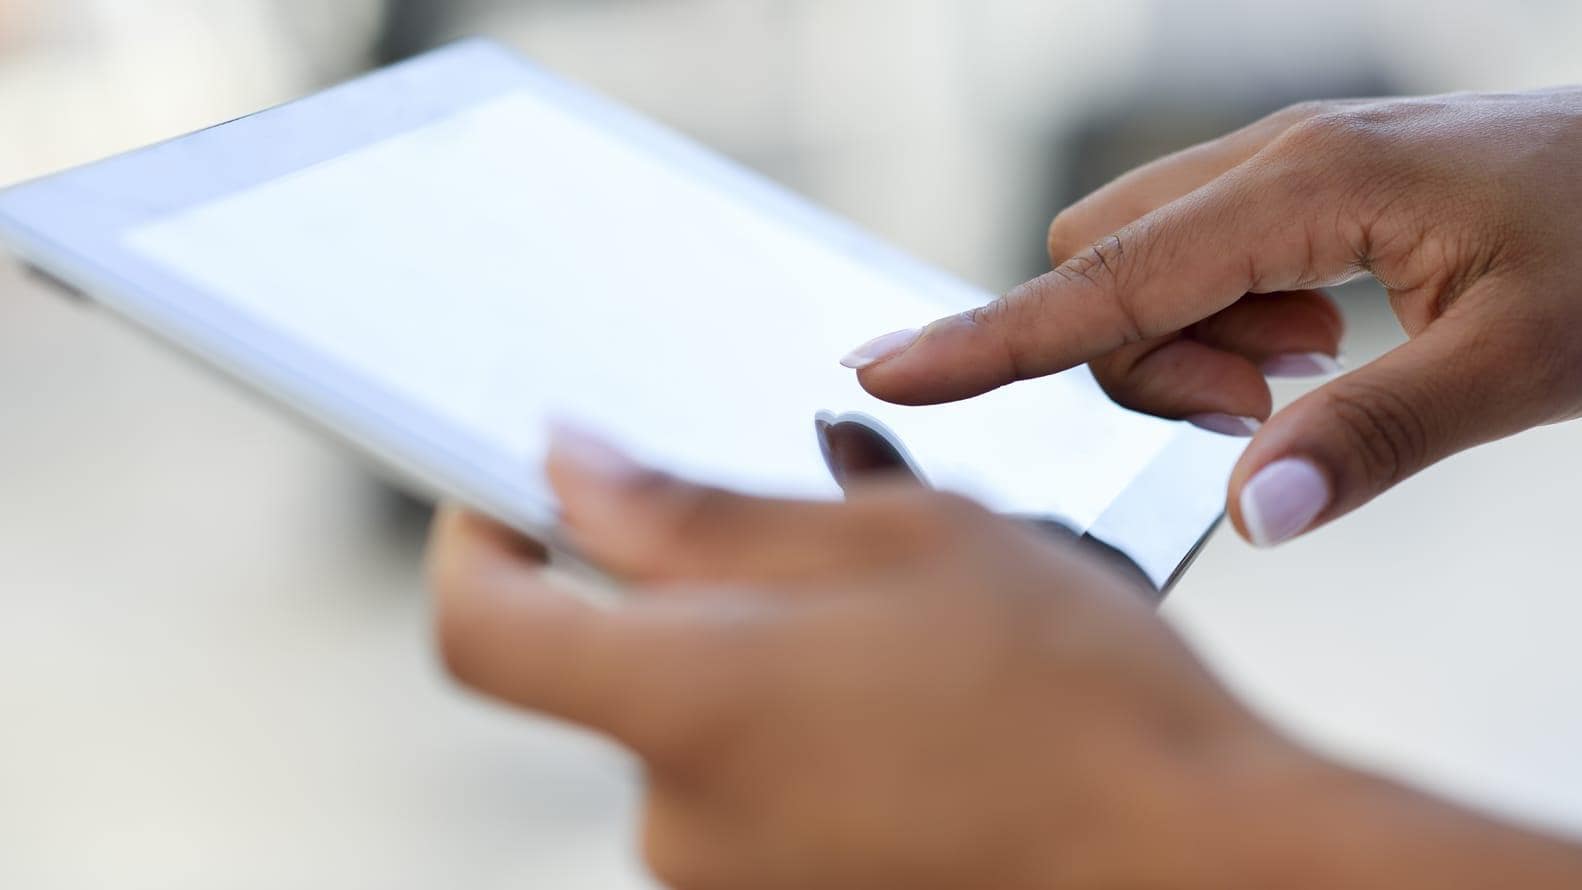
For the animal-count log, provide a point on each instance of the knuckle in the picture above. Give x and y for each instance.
(1105, 267)
(1352, 133)
(1099, 264)
(1346, 156)
(1000, 320)
(1386, 433)
(1308, 109)
(1301, 111)
(1307, 134)
(993, 314)
(1005, 323)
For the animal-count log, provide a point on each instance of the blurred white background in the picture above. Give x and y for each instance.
(214, 665)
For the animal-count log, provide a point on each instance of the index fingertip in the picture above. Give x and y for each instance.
(952, 359)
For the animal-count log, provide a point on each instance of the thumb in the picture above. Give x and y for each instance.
(1345, 443)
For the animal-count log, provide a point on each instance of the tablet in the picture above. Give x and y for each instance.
(440, 259)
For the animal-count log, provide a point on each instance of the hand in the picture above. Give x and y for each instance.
(903, 691)
(1185, 281)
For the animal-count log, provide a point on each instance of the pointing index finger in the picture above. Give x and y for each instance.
(1173, 267)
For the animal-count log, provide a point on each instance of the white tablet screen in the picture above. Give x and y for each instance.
(514, 262)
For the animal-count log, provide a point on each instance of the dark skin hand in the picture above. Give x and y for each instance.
(906, 690)
(1184, 282)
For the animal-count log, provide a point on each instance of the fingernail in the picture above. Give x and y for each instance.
(880, 348)
(1225, 424)
(1301, 364)
(1282, 499)
(586, 454)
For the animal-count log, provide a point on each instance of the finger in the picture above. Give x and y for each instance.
(1283, 335)
(1140, 192)
(1179, 378)
(649, 526)
(1213, 374)
(859, 451)
(1159, 182)
(1292, 333)
(1352, 439)
(1255, 229)
(507, 630)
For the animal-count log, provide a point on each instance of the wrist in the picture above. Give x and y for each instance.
(1293, 820)
(1222, 810)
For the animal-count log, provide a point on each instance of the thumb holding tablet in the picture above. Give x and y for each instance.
(854, 694)
(1204, 285)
